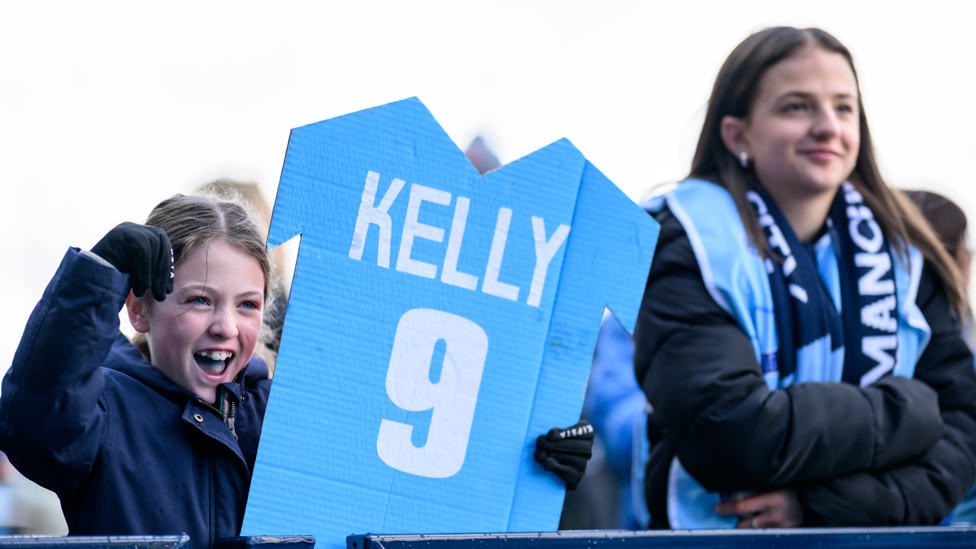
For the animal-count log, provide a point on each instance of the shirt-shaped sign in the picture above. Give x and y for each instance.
(439, 321)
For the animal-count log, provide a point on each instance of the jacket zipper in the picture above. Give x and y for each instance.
(230, 417)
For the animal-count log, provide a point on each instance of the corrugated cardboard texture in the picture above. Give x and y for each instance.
(319, 468)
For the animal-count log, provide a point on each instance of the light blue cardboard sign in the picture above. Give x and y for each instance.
(439, 321)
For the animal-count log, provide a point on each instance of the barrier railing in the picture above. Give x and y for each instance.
(153, 542)
(894, 538)
(897, 538)
(95, 542)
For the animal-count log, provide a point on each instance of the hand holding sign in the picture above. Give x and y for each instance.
(566, 451)
(434, 324)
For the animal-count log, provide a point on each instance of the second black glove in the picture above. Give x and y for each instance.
(566, 451)
(142, 252)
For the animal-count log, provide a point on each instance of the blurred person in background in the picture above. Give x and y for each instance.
(798, 340)
(949, 222)
(617, 408)
(481, 156)
(25, 507)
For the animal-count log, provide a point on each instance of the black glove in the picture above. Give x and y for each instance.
(144, 253)
(566, 451)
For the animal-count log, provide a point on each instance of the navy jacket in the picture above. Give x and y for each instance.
(128, 451)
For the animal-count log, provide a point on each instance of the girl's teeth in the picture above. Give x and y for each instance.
(216, 355)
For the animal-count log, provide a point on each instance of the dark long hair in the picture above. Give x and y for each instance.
(733, 94)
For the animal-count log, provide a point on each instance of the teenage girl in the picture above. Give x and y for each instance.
(799, 341)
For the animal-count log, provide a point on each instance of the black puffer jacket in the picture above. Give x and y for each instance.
(886, 454)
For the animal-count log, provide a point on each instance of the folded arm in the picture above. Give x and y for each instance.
(928, 489)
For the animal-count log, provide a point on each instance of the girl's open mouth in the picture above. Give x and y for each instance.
(213, 362)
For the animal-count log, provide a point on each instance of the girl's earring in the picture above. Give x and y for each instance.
(744, 159)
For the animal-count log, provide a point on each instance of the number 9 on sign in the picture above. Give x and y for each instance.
(452, 398)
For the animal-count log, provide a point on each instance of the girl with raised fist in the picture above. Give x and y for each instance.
(161, 441)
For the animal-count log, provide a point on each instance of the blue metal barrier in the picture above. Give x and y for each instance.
(153, 542)
(96, 542)
(266, 542)
(896, 538)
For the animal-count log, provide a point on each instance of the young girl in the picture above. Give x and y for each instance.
(156, 444)
(798, 340)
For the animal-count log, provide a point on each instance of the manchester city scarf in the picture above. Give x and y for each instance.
(804, 310)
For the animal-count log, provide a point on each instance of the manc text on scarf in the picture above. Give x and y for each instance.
(867, 325)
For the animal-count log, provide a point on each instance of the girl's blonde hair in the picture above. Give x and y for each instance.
(192, 221)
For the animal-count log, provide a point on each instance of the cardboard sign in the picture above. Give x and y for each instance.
(439, 321)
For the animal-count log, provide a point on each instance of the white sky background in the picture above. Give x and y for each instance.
(107, 108)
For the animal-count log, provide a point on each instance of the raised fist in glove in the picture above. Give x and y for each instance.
(566, 451)
(144, 253)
